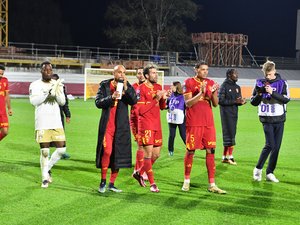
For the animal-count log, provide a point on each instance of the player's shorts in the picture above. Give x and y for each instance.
(200, 137)
(51, 135)
(3, 121)
(150, 137)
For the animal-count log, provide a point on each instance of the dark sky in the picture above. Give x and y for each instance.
(269, 24)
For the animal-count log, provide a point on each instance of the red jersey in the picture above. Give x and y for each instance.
(200, 114)
(111, 126)
(149, 107)
(3, 91)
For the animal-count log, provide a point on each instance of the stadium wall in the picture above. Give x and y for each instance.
(19, 84)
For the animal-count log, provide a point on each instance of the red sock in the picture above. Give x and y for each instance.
(148, 169)
(113, 176)
(188, 163)
(103, 172)
(139, 159)
(230, 150)
(104, 165)
(225, 151)
(211, 168)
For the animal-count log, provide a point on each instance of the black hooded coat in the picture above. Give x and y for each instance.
(121, 156)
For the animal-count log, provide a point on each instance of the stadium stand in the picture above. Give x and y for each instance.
(22, 61)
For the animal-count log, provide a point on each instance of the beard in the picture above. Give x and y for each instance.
(152, 81)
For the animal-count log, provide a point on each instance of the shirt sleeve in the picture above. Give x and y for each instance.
(37, 95)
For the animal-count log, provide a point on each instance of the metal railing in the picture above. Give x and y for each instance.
(78, 55)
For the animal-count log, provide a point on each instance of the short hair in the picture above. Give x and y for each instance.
(229, 72)
(139, 68)
(55, 76)
(2, 67)
(148, 68)
(178, 86)
(45, 63)
(268, 66)
(201, 63)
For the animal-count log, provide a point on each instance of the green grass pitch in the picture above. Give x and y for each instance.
(72, 198)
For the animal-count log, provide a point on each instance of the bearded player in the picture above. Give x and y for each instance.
(152, 99)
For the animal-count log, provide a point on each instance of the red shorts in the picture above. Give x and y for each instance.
(200, 137)
(150, 137)
(3, 121)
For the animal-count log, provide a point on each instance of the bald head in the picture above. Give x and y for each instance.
(119, 72)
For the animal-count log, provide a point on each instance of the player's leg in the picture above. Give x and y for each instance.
(211, 169)
(146, 139)
(3, 126)
(107, 150)
(188, 163)
(231, 160)
(278, 133)
(44, 161)
(148, 154)
(224, 156)
(209, 143)
(157, 136)
(43, 138)
(139, 159)
(269, 136)
(172, 134)
(193, 137)
(59, 139)
(113, 177)
(3, 132)
(182, 131)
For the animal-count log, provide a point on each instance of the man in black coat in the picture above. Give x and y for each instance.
(230, 98)
(114, 140)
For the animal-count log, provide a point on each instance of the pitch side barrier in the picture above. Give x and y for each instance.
(93, 77)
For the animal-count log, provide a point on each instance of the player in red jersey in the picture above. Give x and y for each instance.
(134, 113)
(200, 94)
(152, 99)
(4, 102)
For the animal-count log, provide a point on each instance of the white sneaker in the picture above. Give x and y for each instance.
(257, 174)
(215, 189)
(185, 186)
(271, 177)
(49, 177)
(102, 187)
(45, 184)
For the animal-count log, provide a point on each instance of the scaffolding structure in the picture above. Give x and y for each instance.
(219, 49)
(3, 23)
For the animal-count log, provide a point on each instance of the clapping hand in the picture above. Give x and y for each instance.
(215, 87)
(56, 87)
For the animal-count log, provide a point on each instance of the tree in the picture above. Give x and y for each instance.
(153, 25)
